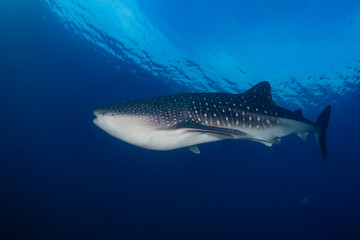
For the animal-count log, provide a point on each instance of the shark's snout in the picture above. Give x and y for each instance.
(100, 116)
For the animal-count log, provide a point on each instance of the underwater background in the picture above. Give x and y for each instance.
(61, 177)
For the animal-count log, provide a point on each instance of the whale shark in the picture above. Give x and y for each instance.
(189, 119)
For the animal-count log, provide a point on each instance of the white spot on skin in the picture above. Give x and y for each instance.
(258, 118)
(218, 123)
(249, 118)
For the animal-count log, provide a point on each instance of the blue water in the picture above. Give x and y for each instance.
(61, 177)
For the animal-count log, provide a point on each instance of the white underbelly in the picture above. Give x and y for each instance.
(143, 134)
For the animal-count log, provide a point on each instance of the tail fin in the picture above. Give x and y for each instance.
(322, 122)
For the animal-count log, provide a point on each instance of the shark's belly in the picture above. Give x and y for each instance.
(147, 135)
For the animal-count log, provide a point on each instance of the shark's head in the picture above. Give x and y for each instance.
(139, 122)
(120, 123)
(162, 112)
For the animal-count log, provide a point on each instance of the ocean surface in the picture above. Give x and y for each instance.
(61, 177)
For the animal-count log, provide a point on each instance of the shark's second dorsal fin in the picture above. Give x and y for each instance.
(261, 92)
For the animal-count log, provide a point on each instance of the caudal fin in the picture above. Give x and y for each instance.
(322, 122)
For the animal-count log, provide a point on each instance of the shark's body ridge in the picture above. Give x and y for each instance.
(186, 120)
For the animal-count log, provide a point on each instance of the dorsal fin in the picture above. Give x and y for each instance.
(299, 113)
(261, 92)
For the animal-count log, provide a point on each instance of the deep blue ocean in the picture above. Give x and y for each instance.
(61, 177)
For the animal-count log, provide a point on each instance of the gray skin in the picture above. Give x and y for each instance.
(186, 120)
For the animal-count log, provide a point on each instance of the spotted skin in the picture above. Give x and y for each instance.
(250, 115)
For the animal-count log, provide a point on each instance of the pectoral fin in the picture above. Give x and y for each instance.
(228, 132)
(194, 149)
